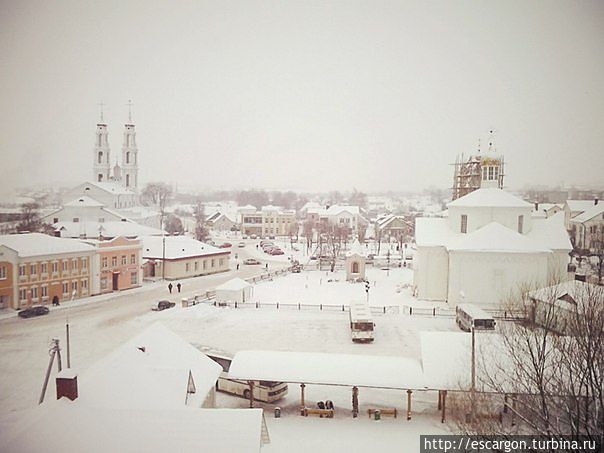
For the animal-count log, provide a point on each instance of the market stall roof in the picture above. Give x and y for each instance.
(328, 369)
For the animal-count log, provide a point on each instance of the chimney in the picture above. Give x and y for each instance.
(596, 201)
(67, 384)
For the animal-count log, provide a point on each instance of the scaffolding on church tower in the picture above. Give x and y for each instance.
(479, 170)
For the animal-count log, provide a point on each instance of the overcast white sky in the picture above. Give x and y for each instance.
(303, 95)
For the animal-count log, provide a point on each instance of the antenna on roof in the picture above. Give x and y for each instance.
(130, 104)
(101, 104)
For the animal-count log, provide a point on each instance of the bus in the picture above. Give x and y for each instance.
(361, 323)
(470, 316)
(266, 391)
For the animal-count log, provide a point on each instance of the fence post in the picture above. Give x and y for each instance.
(321, 307)
(298, 305)
(256, 304)
(433, 311)
(277, 305)
(384, 309)
(235, 304)
(410, 310)
(342, 307)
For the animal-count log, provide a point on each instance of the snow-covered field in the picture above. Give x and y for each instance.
(23, 354)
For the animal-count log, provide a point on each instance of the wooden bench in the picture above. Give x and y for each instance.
(327, 413)
(387, 411)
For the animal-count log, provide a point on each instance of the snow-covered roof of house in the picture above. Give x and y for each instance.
(247, 207)
(593, 211)
(330, 369)
(84, 201)
(138, 212)
(107, 229)
(490, 197)
(235, 284)
(176, 247)
(99, 430)
(338, 209)
(150, 371)
(568, 294)
(495, 237)
(37, 244)
(550, 233)
(310, 205)
(579, 205)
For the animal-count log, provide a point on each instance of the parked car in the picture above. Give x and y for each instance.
(241, 245)
(276, 251)
(271, 237)
(244, 236)
(265, 242)
(251, 261)
(253, 236)
(36, 310)
(164, 305)
(225, 245)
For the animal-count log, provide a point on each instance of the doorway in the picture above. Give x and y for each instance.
(116, 279)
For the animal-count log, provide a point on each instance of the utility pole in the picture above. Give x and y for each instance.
(54, 350)
(473, 390)
(68, 351)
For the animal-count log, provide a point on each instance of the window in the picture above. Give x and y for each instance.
(221, 262)
(74, 264)
(484, 173)
(34, 293)
(464, 223)
(520, 223)
(76, 219)
(100, 157)
(128, 157)
(496, 171)
(64, 265)
(99, 177)
(84, 286)
(196, 265)
(212, 263)
(44, 290)
(113, 261)
(187, 267)
(84, 264)
(22, 270)
(55, 267)
(124, 260)
(104, 262)
(22, 294)
(65, 288)
(74, 287)
(32, 269)
(44, 268)
(2, 272)
(133, 259)
(205, 265)
(491, 172)
(103, 283)
(127, 180)
(134, 278)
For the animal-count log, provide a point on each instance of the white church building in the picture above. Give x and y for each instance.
(486, 248)
(116, 187)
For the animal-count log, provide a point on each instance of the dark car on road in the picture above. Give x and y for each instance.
(38, 310)
(164, 305)
(251, 261)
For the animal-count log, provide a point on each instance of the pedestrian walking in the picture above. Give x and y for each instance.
(178, 285)
(170, 287)
(267, 266)
(237, 266)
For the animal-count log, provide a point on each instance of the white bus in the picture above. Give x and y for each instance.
(266, 391)
(361, 322)
(469, 315)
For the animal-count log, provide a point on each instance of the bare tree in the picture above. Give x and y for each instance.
(201, 229)
(550, 371)
(308, 232)
(157, 194)
(30, 218)
(174, 225)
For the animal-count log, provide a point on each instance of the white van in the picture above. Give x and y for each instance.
(266, 391)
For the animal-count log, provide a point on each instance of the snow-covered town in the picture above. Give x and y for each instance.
(185, 275)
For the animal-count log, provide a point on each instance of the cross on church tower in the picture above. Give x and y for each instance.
(130, 104)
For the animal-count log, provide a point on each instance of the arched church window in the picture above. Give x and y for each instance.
(128, 157)
(100, 158)
(355, 267)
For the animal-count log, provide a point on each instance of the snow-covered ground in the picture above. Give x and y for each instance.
(96, 332)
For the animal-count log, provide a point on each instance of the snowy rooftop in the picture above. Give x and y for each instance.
(574, 289)
(151, 371)
(551, 233)
(579, 205)
(84, 201)
(234, 284)
(176, 247)
(331, 369)
(93, 430)
(107, 229)
(37, 244)
(590, 213)
(112, 187)
(496, 198)
(432, 231)
(495, 237)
